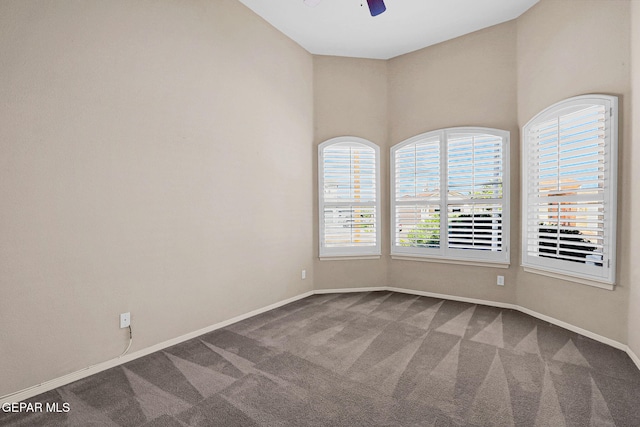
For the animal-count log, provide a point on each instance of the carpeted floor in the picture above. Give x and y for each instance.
(364, 359)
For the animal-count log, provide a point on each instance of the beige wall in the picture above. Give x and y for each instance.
(634, 213)
(569, 48)
(350, 98)
(155, 158)
(499, 77)
(161, 158)
(468, 81)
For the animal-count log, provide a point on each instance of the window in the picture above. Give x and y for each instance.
(450, 195)
(569, 161)
(349, 193)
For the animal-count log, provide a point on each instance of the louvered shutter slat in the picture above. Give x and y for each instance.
(417, 226)
(349, 198)
(448, 195)
(417, 178)
(567, 187)
(475, 226)
(465, 177)
(474, 173)
(417, 171)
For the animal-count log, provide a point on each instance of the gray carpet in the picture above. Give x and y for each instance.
(364, 359)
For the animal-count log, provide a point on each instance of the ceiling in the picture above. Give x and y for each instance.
(346, 28)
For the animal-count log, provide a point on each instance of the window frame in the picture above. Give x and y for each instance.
(444, 254)
(559, 268)
(346, 252)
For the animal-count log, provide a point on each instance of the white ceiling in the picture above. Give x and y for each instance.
(346, 28)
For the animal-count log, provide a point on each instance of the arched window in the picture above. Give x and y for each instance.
(349, 198)
(450, 196)
(569, 175)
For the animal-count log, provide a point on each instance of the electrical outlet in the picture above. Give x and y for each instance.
(304, 274)
(125, 320)
(500, 281)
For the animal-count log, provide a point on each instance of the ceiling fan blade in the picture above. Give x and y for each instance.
(312, 3)
(376, 7)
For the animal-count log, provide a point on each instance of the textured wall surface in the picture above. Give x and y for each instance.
(161, 158)
(468, 81)
(154, 158)
(560, 55)
(350, 99)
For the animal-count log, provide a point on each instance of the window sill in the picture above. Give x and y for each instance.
(581, 280)
(452, 261)
(348, 257)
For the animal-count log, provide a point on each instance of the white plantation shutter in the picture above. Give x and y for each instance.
(474, 189)
(348, 170)
(569, 185)
(467, 221)
(417, 195)
(475, 226)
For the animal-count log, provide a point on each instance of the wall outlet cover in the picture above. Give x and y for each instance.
(125, 320)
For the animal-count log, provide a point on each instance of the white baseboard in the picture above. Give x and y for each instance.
(349, 290)
(576, 329)
(549, 319)
(498, 304)
(91, 370)
(525, 310)
(633, 357)
(94, 369)
(453, 298)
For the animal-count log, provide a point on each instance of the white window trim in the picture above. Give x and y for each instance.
(490, 264)
(553, 268)
(575, 279)
(349, 257)
(444, 254)
(345, 253)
